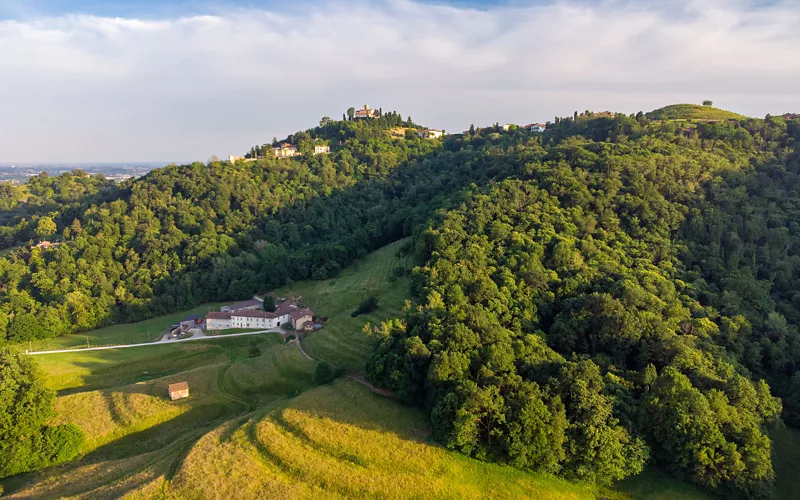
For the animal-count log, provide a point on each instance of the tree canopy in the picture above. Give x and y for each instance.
(26, 441)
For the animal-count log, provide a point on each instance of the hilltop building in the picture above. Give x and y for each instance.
(538, 127)
(234, 159)
(366, 112)
(321, 149)
(790, 116)
(429, 133)
(285, 150)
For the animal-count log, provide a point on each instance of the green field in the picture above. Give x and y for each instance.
(254, 426)
(692, 112)
(129, 333)
(341, 342)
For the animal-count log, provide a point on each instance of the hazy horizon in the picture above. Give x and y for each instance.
(176, 82)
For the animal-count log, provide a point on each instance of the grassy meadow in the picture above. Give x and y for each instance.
(255, 426)
(342, 441)
(129, 333)
(692, 112)
(342, 342)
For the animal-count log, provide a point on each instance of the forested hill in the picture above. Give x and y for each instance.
(184, 235)
(609, 292)
(629, 296)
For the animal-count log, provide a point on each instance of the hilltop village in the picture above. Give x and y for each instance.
(290, 147)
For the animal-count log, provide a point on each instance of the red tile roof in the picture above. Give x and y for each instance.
(255, 314)
(218, 315)
(179, 386)
(300, 313)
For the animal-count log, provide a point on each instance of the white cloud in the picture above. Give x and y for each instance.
(86, 88)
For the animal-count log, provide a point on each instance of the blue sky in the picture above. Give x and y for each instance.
(178, 81)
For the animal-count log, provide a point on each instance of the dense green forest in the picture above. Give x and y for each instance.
(184, 235)
(628, 296)
(612, 292)
(35, 211)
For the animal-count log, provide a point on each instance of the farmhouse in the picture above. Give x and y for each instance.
(429, 133)
(249, 318)
(366, 112)
(301, 318)
(285, 150)
(179, 390)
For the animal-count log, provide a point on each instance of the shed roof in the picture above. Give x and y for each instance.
(179, 386)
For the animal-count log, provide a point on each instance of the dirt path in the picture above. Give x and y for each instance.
(358, 378)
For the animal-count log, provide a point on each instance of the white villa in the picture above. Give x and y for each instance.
(366, 112)
(430, 133)
(285, 150)
(538, 127)
(321, 149)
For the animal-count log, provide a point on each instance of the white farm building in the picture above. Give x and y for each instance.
(251, 318)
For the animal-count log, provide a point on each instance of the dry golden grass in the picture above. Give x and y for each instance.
(82, 480)
(342, 441)
(224, 464)
(109, 414)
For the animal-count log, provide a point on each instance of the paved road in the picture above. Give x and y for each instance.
(202, 336)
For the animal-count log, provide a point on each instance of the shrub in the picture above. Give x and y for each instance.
(324, 373)
(367, 306)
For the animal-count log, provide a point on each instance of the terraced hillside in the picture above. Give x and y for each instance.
(341, 441)
(692, 112)
(254, 426)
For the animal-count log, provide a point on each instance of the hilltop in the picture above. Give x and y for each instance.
(692, 112)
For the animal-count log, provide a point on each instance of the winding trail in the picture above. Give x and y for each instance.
(358, 378)
(161, 342)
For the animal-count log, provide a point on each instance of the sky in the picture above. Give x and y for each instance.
(172, 80)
